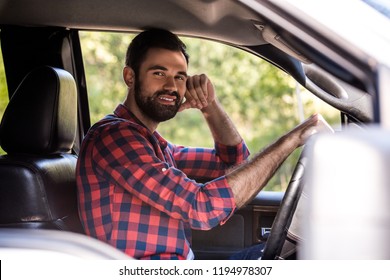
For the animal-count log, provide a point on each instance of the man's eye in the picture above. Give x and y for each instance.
(181, 78)
(160, 74)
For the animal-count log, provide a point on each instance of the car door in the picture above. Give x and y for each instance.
(248, 226)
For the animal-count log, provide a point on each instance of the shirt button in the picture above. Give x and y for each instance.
(164, 169)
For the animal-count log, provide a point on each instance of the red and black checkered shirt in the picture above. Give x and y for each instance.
(136, 192)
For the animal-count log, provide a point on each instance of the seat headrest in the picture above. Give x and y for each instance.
(41, 117)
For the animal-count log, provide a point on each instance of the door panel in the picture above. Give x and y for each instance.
(248, 226)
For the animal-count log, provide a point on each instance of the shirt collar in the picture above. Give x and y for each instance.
(123, 112)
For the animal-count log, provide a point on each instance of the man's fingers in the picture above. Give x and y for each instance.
(204, 85)
(323, 125)
(197, 90)
(185, 105)
(312, 125)
(190, 94)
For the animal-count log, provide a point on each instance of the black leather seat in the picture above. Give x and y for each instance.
(37, 175)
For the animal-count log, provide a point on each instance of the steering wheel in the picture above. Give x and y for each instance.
(280, 227)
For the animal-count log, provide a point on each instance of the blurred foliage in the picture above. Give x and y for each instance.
(260, 99)
(3, 87)
(3, 91)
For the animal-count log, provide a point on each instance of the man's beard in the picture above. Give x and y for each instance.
(152, 108)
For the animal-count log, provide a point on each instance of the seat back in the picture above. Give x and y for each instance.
(37, 175)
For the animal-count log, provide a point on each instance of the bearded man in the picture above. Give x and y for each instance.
(136, 189)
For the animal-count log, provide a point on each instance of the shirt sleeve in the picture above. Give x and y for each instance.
(209, 163)
(126, 158)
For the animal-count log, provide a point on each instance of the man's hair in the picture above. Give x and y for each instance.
(152, 38)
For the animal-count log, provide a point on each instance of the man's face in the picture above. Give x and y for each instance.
(161, 84)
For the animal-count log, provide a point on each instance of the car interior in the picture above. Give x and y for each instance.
(37, 132)
(48, 112)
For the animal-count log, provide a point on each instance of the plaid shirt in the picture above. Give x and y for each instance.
(136, 192)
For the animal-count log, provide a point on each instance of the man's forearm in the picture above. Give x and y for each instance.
(221, 126)
(247, 180)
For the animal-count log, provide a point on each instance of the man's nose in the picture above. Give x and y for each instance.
(170, 84)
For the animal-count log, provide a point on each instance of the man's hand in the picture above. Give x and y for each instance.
(247, 180)
(314, 124)
(200, 93)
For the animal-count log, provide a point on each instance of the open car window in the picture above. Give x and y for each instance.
(263, 101)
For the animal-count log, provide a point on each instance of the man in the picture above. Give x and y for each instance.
(135, 188)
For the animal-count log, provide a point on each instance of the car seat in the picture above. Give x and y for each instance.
(37, 175)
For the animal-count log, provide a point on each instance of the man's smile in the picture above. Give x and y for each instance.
(167, 99)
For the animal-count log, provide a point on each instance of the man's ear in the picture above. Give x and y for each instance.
(128, 76)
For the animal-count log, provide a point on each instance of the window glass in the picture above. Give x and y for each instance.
(262, 100)
(3, 90)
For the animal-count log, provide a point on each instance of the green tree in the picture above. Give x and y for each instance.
(104, 55)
